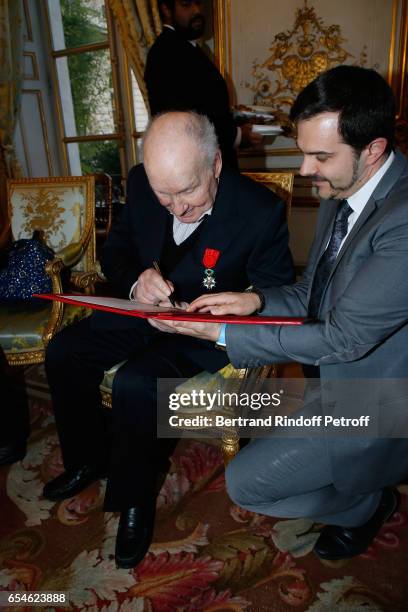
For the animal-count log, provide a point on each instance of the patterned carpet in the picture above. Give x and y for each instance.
(207, 553)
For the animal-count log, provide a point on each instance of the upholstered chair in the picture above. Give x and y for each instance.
(63, 209)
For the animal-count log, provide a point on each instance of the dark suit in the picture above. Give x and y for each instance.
(248, 227)
(179, 76)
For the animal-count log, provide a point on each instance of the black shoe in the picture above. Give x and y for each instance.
(13, 452)
(344, 542)
(71, 482)
(134, 537)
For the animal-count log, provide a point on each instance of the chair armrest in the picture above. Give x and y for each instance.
(54, 268)
(71, 254)
(86, 280)
(66, 258)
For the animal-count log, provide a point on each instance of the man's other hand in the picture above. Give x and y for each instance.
(151, 288)
(226, 303)
(205, 331)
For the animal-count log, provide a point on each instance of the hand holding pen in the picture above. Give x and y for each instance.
(171, 296)
(152, 288)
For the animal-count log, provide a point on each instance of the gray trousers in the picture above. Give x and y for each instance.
(291, 478)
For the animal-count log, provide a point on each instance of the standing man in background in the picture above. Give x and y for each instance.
(179, 76)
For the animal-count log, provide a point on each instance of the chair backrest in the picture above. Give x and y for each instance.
(103, 205)
(62, 208)
(279, 182)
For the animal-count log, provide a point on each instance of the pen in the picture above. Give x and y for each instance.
(171, 296)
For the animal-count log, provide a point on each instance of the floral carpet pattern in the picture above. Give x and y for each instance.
(207, 553)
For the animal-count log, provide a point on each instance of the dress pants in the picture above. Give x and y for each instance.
(122, 442)
(291, 478)
(14, 414)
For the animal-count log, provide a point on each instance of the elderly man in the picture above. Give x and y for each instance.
(182, 208)
(355, 291)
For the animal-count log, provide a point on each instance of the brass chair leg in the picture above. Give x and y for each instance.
(229, 445)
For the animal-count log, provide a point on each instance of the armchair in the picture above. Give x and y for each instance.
(282, 184)
(103, 207)
(63, 208)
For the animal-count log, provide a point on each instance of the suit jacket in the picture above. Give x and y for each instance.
(361, 335)
(179, 76)
(247, 225)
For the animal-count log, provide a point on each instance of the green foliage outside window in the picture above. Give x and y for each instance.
(90, 76)
(100, 156)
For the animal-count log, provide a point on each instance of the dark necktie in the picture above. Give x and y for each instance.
(326, 262)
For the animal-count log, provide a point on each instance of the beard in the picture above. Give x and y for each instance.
(336, 189)
(194, 29)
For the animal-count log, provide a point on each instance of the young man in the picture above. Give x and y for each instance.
(355, 288)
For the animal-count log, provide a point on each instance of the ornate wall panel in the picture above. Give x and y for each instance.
(271, 50)
(35, 135)
(30, 66)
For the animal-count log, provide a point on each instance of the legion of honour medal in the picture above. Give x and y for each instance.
(210, 258)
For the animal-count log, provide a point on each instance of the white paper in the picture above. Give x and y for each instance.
(119, 303)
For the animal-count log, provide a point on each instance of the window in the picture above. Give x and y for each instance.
(96, 128)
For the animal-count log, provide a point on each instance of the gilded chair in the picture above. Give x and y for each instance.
(63, 209)
(282, 184)
(279, 182)
(103, 207)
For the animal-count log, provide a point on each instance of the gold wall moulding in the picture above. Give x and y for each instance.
(28, 35)
(297, 57)
(400, 83)
(31, 72)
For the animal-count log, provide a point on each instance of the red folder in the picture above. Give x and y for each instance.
(147, 311)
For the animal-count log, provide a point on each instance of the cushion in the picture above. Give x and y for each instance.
(54, 209)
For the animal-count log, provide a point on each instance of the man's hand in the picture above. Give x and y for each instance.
(151, 288)
(162, 325)
(205, 331)
(226, 303)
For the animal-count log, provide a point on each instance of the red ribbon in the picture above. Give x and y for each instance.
(210, 257)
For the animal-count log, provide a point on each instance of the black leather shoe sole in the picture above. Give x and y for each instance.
(71, 483)
(335, 543)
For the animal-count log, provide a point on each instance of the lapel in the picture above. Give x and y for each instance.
(376, 200)
(224, 223)
(329, 208)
